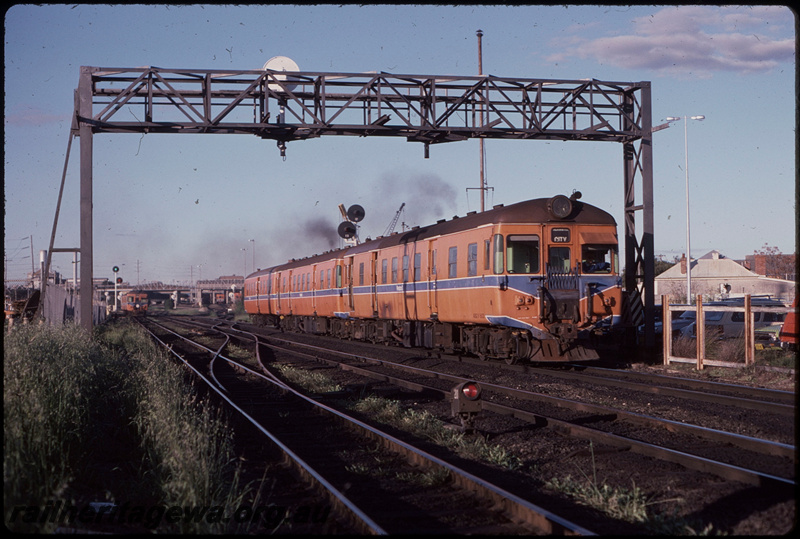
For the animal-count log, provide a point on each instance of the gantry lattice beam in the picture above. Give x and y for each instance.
(289, 106)
(302, 105)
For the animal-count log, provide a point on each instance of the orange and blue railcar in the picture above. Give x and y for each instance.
(529, 281)
(135, 303)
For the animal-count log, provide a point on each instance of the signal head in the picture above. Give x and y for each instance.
(346, 230)
(355, 213)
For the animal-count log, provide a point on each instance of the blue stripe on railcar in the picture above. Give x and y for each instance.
(524, 284)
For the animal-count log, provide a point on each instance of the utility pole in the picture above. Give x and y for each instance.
(33, 276)
(480, 112)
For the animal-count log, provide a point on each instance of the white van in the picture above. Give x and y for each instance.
(730, 325)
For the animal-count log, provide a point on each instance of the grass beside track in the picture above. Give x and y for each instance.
(66, 399)
(71, 401)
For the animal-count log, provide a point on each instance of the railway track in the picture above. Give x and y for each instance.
(729, 455)
(453, 500)
(617, 441)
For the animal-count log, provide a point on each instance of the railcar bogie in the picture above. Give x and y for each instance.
(523, 282)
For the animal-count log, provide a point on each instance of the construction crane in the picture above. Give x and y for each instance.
(390, 228)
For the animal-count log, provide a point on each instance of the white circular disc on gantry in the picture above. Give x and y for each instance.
(281, 63)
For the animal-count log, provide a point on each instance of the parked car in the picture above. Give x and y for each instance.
(730, 324)
(680, 319)
(768, 336)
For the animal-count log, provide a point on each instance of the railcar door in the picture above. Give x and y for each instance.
(373, 275)
(268, 294)
(258, 294)
(432, 279)
(408, 280)
(562, 275)
(290, 288)
(313, 287)
(349, 280)
(278, 292)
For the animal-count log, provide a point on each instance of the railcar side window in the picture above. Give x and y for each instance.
(405, 268)
(487, 254)
(452, 262)
(472, 259)
(361, 274)
(522, 253)
(598, 258)
(417, 265)
(384, 267)
(498, 253)
(338, 276)
(394, 269)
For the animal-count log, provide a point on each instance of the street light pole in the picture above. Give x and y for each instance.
(686, 170)
(254, 254)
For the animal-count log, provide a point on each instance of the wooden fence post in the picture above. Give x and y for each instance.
(749, 332)
(666, 328)
(700, 327)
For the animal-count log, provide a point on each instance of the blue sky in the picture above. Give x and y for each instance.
(173, 208)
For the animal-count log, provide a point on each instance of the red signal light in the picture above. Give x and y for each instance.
(471, 390)
(119, 280)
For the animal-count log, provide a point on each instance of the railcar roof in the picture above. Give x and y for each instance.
(529, 211)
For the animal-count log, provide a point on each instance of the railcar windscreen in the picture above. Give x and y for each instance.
(598, 258)
(522, 253)
(559, 260)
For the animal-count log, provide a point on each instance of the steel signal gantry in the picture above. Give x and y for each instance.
(289, 106)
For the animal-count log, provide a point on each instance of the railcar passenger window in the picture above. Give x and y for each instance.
(394, 269)
(361, 274)
(559, 260)
(417, 265)
(405, 268)
(598, 258)
(522, 253)
(472, 259)
(329, 278)
(452, 262)
(338, 276)
(487, 254)
(384, 268)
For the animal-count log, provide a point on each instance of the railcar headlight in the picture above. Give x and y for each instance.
(560, 206)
